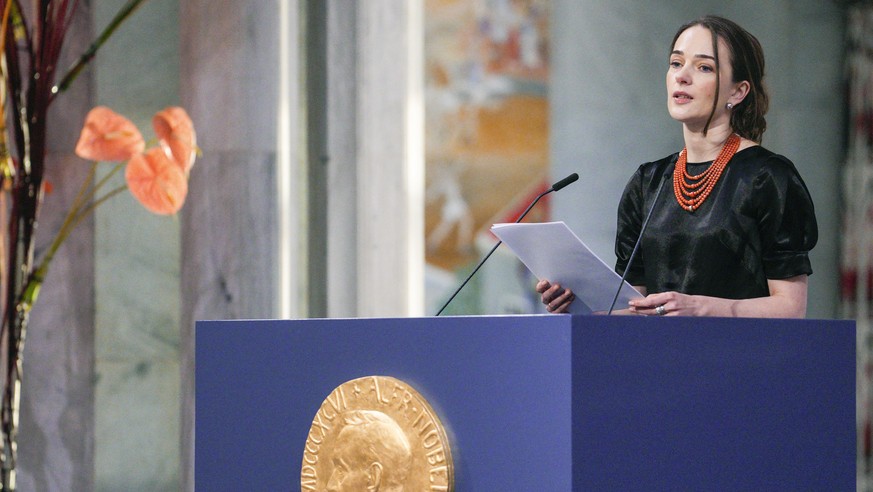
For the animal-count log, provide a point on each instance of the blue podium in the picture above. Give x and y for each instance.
(547, 403)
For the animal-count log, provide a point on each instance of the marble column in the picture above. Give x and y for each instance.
(244, 70)
(365, 158)
(230, 83)
(341, 166)
(390, 159)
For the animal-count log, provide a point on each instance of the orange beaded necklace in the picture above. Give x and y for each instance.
(692, 190)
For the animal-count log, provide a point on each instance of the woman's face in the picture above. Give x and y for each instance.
(691, 79)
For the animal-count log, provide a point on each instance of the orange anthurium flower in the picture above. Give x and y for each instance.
(108, 136)
(157, 182)
(175, 130)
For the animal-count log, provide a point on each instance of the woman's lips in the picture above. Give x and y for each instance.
(682, 97)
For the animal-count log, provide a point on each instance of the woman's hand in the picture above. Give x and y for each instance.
(667, 304)
(787, 299)
(556, 298)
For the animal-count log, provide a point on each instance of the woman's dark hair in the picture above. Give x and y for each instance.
(747, 63)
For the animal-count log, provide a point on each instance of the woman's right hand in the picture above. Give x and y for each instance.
(556, 298)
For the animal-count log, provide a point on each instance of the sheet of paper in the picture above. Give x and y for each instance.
(551, 251)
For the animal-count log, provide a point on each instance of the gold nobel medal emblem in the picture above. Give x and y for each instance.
(376, 433)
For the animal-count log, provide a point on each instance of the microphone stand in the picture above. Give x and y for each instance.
(637, 245)
(557, 186)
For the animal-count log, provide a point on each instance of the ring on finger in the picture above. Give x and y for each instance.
(660, 310)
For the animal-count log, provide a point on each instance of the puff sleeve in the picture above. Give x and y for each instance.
(786, 219)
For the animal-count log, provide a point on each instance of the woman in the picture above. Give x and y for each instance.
(731, 233)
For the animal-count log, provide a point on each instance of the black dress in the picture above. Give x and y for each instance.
(757, 224)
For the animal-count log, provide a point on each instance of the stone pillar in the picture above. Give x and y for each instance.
(342, 166)
(359, 155)
(376, 158)
(390, 156)
(230, 85)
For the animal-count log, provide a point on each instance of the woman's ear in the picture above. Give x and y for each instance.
(740, 91)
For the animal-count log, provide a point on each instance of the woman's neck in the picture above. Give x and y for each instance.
(702, 148)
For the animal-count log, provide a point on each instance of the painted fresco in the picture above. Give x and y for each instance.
(487, 132)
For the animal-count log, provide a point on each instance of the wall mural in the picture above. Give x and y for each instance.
(486, 137)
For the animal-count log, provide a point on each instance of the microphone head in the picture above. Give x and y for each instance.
(564, 182)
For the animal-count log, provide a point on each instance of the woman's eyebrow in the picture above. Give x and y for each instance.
(700, 55)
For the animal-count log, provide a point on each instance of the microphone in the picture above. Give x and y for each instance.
(637, 245)
(555, 187)
(558, 186)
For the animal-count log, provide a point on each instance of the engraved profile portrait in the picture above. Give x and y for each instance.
(372, 453)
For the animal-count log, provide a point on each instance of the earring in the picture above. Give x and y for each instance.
(729, 105)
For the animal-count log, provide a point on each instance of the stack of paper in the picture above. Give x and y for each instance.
(551, 251)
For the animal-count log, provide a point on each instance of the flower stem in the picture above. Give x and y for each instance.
(96, 203)
(83, 205)
(86, 57)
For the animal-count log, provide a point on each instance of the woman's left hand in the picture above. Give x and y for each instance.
(787, 299)
(667, 304)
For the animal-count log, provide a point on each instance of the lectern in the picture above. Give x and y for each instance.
(547, 403)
